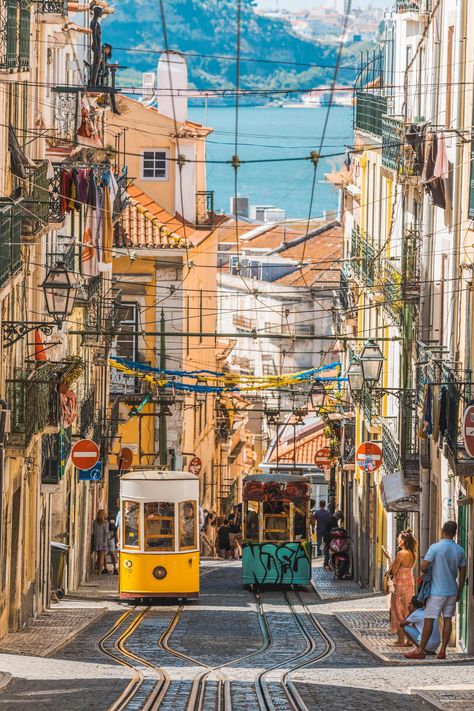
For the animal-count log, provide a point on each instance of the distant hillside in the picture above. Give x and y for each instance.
(208, 27)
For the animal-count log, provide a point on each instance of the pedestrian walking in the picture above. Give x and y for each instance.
(322, 518)
(401, 570)
(447, 563)
(100, 535)
(112, 541)
(223, 540)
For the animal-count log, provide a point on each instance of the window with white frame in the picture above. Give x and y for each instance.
(155, 165)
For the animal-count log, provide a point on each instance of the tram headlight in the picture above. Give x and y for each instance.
(159, 572)
(128, 563)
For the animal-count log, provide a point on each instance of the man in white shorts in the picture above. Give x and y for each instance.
(448, 575)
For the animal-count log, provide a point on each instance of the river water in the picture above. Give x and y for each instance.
(269, 133)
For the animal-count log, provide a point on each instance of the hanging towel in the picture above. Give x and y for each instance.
(90, 257)
(108, 231)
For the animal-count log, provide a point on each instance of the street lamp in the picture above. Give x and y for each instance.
(299, 400)
(60, 290)
(318, 396)
(355, 378)
(371, 361)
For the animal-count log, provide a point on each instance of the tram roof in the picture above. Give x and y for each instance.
(278, 477)
(158, 475)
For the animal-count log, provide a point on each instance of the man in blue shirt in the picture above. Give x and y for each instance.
(323, 517)
(448, 575)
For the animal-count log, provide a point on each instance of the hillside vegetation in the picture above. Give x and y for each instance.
(208, 27)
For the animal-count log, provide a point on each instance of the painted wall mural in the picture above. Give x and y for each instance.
(276, 563)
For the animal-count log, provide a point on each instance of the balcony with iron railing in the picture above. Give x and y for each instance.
(87, 413)
(413, 6)
(369, 110)
(54, 7)
(390, 444)
(356, 251)
(398, 154)
(33, 399)
(10, 239)
(35, 204)
(370, 405)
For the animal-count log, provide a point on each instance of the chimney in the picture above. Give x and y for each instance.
(172, 81)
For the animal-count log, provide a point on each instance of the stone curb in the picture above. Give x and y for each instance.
(426, 698)
(381, 657)
(344, 597)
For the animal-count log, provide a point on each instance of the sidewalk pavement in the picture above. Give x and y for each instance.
(366, 616)
(64, 620)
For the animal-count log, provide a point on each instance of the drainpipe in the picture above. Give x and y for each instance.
(425, 310)
(459, 101)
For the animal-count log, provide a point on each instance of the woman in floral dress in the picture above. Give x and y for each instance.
(403, 582)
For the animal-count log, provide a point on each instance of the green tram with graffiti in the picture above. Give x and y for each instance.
(276, 546)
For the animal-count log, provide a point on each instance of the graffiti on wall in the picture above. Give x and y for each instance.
(276, 564)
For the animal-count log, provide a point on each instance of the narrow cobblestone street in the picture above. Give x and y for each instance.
(232, 646)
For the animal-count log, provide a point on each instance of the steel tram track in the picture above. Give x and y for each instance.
(297, 662)
(126, 658)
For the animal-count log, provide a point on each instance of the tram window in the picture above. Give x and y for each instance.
(251, 520)
(299, 523)
(276, 521)
(159, 526)
(131, 518)
(187, 525)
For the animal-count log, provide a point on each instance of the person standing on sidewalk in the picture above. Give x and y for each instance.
(401, 570)
(448, 575)
(322, 517)
(100, 535)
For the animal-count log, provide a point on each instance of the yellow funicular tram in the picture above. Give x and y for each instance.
(159, 535)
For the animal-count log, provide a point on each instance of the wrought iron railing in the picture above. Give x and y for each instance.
(413, 5)
(10, 239)
(368, 254)
(453, 399)
(33, 398)
(87, 413)
(370, 405)
(356, 251)
(369, 111)
(390, 444)
(397, 153)
(204, 208)
(54, 7)
(35, 206)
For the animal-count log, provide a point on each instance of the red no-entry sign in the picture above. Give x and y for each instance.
(85, 454)
(468, 430)
(369, 456)
(322, 458)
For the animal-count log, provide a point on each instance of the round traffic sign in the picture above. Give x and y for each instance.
(125, 458)
(322, 458)
(369, 456)
(85, 454)
(468, 430)
(195, 466)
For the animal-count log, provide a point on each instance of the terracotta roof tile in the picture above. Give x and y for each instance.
(145, 224)
(308, 441)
